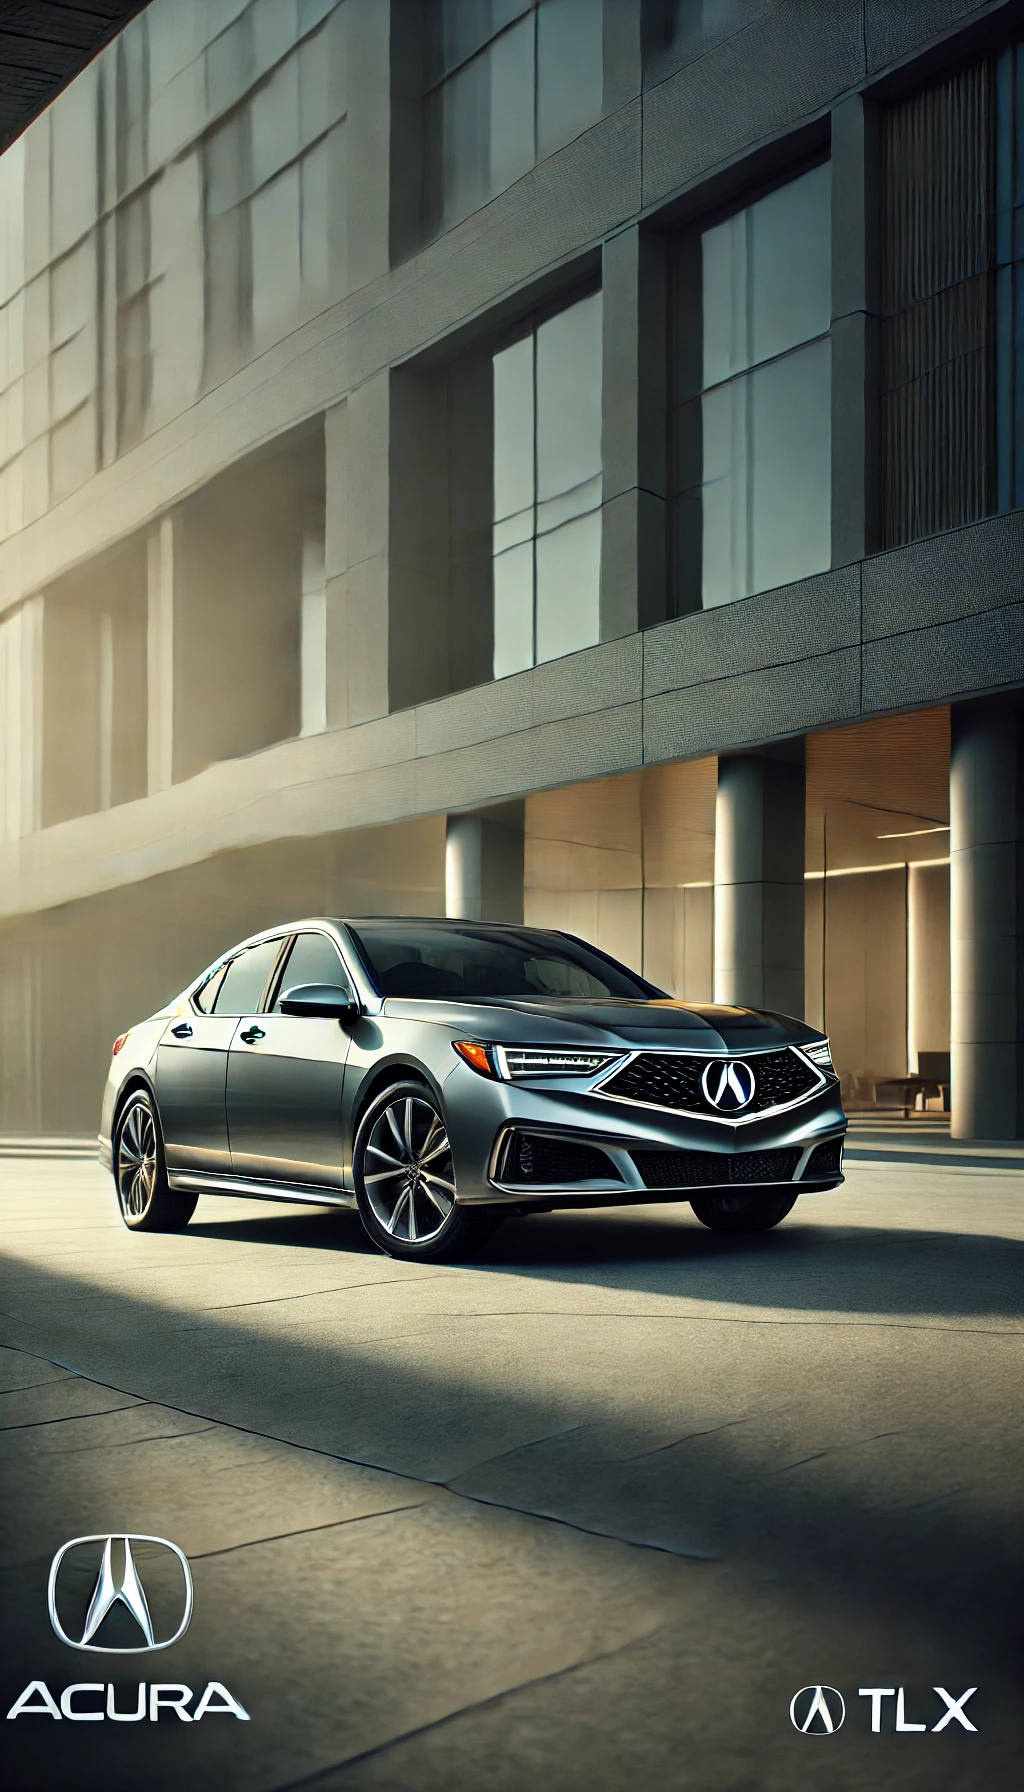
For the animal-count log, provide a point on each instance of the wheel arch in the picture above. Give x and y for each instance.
(133, 1083)
(383, 1077)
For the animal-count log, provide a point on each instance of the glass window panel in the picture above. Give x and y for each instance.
(275, 121)
(767, 276)
(512, 530)
(513, 610)
(466, 25)
(726, 555)
(312, 959)
(511, 106)
(570, 70)
(790, 432)
(276, 274)
(206, 994)
(464, 103)
(556, 511)
(244, 979)
(569, 587)
(569, 398)
(767, 477)
(513, 429)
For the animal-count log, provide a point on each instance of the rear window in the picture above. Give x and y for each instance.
(242, 988)
(420, 960)
(206, 994)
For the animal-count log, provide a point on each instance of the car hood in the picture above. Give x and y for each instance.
(545, 1020)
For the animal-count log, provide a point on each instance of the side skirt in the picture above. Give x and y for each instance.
(310, 1194)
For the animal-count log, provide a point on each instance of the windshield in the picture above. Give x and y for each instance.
(420, 960)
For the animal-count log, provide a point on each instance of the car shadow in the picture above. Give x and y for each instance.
(818, 1267)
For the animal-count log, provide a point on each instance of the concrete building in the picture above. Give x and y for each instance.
(557, 460)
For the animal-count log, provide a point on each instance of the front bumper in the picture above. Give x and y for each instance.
(485, 1118)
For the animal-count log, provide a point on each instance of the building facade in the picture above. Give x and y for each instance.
(546, 459)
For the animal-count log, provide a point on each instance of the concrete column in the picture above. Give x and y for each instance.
(160, 657)
(927, 961)
(313, 644)
(21, 720)
(986, 791)
(356, 435)
(855, 486)
(759, 881)
(483, 864)
(634, 388)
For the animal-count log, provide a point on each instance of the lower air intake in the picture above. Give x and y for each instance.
(708, 1169)
(825, 1160)
(551, 1163)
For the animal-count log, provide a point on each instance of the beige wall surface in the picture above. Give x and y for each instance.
(73, 978)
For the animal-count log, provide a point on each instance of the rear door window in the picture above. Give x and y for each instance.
(245, 978)
(206, 995)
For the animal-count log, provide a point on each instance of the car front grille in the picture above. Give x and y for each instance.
(529, 1159)
(710, 1169)
(673, 1080)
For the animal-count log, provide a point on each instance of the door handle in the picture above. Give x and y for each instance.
(182, 1032)
(251, 1034)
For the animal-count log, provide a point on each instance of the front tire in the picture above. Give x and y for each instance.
(404, 1179)
(742, 1213)
(140, 1174)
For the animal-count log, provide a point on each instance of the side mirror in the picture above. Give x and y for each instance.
(324, 1001)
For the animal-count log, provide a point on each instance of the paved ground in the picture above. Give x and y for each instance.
(584, 1515)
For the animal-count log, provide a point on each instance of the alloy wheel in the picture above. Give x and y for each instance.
(408, 1172)
(136, 1160)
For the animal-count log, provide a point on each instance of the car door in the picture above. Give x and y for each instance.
(192, 1062)
(285, 1076)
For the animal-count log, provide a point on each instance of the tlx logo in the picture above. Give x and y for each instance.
(821, 1710)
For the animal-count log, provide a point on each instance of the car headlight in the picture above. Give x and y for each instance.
(819, 1053)
(513, 1064)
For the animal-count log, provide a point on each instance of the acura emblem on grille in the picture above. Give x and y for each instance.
(728, 1087)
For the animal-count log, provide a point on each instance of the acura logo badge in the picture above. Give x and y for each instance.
(127, 1590)
(729, 1085)
(817, 1710)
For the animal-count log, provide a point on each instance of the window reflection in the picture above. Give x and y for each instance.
(547, 490)
(752, 427)
(511, 81)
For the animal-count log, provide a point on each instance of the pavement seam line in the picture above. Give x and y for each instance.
(67, 1417)
(458, 1493)
(206, 1555)
(437, 1723)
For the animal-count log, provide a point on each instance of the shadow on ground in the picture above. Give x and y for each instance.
(803, 1265)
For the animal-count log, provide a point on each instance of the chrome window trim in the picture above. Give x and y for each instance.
(784, 1107)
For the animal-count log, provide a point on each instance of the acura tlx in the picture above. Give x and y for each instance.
(440, 1074)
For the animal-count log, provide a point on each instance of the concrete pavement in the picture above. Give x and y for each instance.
(584, 1514)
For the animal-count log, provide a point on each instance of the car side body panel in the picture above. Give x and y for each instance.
(287, 1122)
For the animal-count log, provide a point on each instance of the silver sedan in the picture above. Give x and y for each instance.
(440, 1074)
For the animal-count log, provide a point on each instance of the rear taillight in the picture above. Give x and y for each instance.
(118, 1042)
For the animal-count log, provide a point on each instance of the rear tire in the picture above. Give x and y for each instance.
(404, 1179)
(742, 1213)
(140, 1174)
